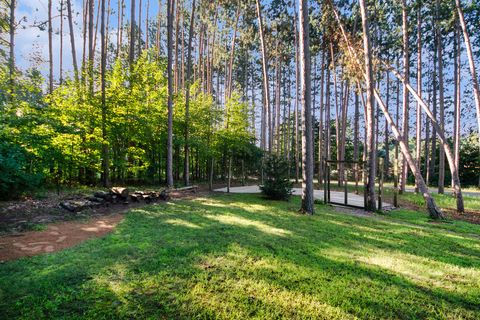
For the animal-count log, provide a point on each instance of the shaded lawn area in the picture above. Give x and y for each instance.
(239, 256)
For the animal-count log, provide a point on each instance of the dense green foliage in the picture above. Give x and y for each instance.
(238, 256)
(57, 138)
(276, 184)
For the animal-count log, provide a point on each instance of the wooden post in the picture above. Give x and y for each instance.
(229, 173)
(328, 183)
(365, 185)
(395, 182)
(381, 165)
(355, 173)
(325, 172)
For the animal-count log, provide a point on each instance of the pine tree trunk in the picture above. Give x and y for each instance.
(419, 89)
(50, 48)
(370, 120)
(307, 141)
(266, 95)
(169, 169)
(159, 25)
(387, 140)
(405, 109)
(441, 160)
(11, 56)
(432, 208)
(297, 85)
(471, 62)
(72, 39)
(105, 160)
(277, 104)
(120, 28)
(444, 142)
(457, 97)
(320, 122)
(176, 50)
(61, 44)
(147, 32)
(327, 148)
(139, 28)
(186, 173)
(91, 42)
(232, 55)
(86, 8)
(356, 153)
(433, 152)
(131, 54)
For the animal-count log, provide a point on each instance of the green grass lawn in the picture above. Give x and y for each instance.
(239, 256)
(443, 200)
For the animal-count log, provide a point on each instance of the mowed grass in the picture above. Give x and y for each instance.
(446, 201)
(239, 256)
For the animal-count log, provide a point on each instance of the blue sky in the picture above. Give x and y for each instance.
(32, 43)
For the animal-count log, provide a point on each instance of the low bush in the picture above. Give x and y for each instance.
(277, 185)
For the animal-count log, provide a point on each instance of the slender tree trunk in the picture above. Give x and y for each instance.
(131, 54)
(86, 8)
(107, 28)
(387, 137)
(170, 11)
(120, 34)
(457, 97)
(95, 33)
(433, 210)
(441, 161)
(90, 45)
(139, 28)
(50, 48)
(405, 109)
(159, 25)
(320, 122)
(307, 141)
(147, 25)
(61, 44)
(264, 69)
(371, 203)
(232, 55)
(186, 165)
(105, 160)
(297, 85)
(419, 89)
(72, 39)
(176, 68)
(433, 152)
(356, 151)
(277, 104)
(11, 56)
(471, 62)
(445, 145)
(328, 151)
(427, 148)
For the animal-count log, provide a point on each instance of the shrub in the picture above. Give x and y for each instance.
(277, 185)
(14, 178)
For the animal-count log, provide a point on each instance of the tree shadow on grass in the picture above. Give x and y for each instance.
(233, 258)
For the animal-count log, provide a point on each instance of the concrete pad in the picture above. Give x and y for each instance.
(335, 196)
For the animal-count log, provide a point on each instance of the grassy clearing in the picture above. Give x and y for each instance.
(446, 201)
(238, 256)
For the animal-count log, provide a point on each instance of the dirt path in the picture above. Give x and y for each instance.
(56, 237)
(65, 234)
